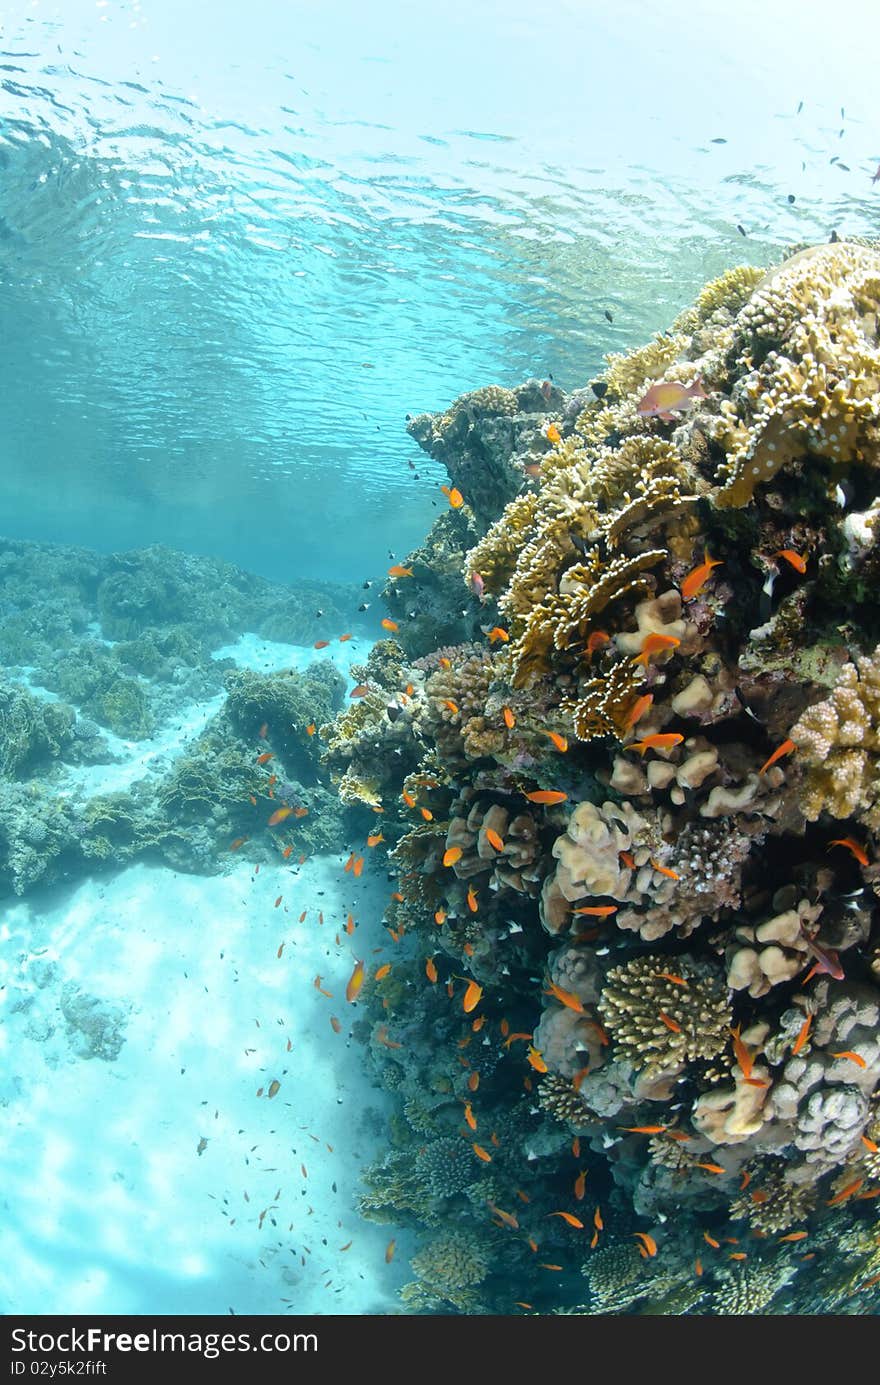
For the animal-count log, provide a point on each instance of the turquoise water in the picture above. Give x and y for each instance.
(239, 245)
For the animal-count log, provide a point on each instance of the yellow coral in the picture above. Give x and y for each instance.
(730, 291)
(838, 743)
(633, 372)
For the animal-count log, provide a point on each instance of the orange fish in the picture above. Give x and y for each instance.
(664, 870)
(638, 710)
(511, 1037)
(671, 976)
(303, 915)
(535, 1059)
(580, 1185)
(647, 1241)
(318, 987)
(712, 1168)
(565, 997)
(453, 706)
(360, 691)
(388, 624)
(743, 1057)
(408, 799)
(698, 1267)
(716, 1245)
(440, 917)
(382, 972)
(643, 1129)
(382, 1038)
(493, 839)
(509, 718)
(469, 1115)
(597, 911)
(430, 970)
(853, 1058)
(473, 1081)
(398, 571)
(594, 1240)
(654, 644)
(444, 662)
(343, 638)
(852, 846)
(427, 814)
(745, 1180)
(279, 815)
(278, 900)
(597, 1220)
(266, 756)
(803, 1034)
(698, 576)
(547, 796)
(797, 562)
(321, 644)
(310, 729)
(551, 433)
(667, 395)
(239, 841)
(253, 801)
(670, 1023)
(664, 741)
(627, 859)
(358, 866)
(559, 741)
(452, 854)
(506, 1218)
(870, 1144)
(793, 1236)
(542, 1266)
(569, 1219)
(375, 839)
(355, 981)
(523, 1197)
(389, 1252)
(482, 1153)
(335, 1023)
(738, 1255)
(287, 850)
(496, 634)
(300, 812)
(471, 997)
(472, 899)
(595, 641)
(785, 749)
(454, 496)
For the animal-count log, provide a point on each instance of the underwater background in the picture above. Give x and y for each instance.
(438, 768)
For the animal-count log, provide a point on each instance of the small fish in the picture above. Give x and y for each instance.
(741, 229)
(302, 916)
(239, 841)
(310, 729)
(547, 796)
(375, 839)
(638, 710)
(266, 756)
(853, 1058)
(512, 1038)
(494, 840)
(452, 706)
(388, 624)
(358, 866)
(482, 1153)
(398, 571)
(278, 816)
(795, 559)
(278, 900)
(627, 858)
(870, 1144)
(663, 870)
(430, 970)
(496, 634)
(509, 718)
(356, 980)
(477, 585)
(263, 731)
(444, 662)
(472, 997)
(597, 1220)
(698, 1267)
(846, 1192)
(320, 644)
(597, 911)
(827, 960)
(551, 433)
(647, 1241)
(569, 1219)
(382, 972)
(710, 1241)
(671, 976)
(542, 1266)
(506, 1218)
(360, 691)
(546, 388)
(389, 1251)
(594, 1240)
(559, 741)
(344, 638)
(440, 917)
(852, 846)
(472, 899)
(318, 987)
(655, 643)
(608, 315)
(566, 998)
(743, 1057)
(523, 1197)
(793, 1236)
(469, 1115)
(382, 1038)
(408, 799)
(454, 496)
(274, 1088)
(785, 748)
(643, 1129)
(473, 1082)
(712, 1168)
(803, 1035)
(661, 741)
(335, 1025)
(580, 1185)
(738, 1255)
(535, 1059)
(595, 641)
(698, 577)
(427, 814)
(662, 398)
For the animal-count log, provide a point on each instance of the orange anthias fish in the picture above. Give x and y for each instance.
(388, 624)
(595, 641)
(597, 1220)
(846, 1192)
(310, 729)
(427, 814)
(698, 577)
(662, 398)
(870, 1144)
(643, 1129)
(597, 911)
(279, 815)
(451, 855)
(647, 1241)
(471, 997)
(356, 980)
(743, 1057)
(398, 571)
(263, 731)
(496, 634)
(551, 433)
(853, 1058)
(664, 870)
(452, 706)
(580, 1185)
(803, 1035)
(547, 796)
(389, 1252)
(535, 1059)
(430, 970)
(711, 1168)
(375, 839)
(408, 799)
(239, 841)
(785, 749)
(494, 840)
(559, 741)
(472, 899)
(382, 972)
(793, 1236)
(569, 1219)
(565, 997)
(358, 866)
(506, 1218)
(795, 559)
(671, 976)
(344, 638)
(638, 710)
(851, 845)
(482, 1153)
(655, 643)
(662, 741)
(266, 756)
(454, 496)
(321, 644)
(360, 691)
(509, 718)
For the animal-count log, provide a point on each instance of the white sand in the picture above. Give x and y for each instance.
(108, 1206)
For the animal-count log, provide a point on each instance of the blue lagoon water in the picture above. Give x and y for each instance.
(241, 246)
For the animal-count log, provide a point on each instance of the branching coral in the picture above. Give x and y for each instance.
(658, 1025)
(838, 742)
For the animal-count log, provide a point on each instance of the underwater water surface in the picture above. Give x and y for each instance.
(366, 604)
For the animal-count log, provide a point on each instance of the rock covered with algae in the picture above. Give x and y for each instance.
(673, 740)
